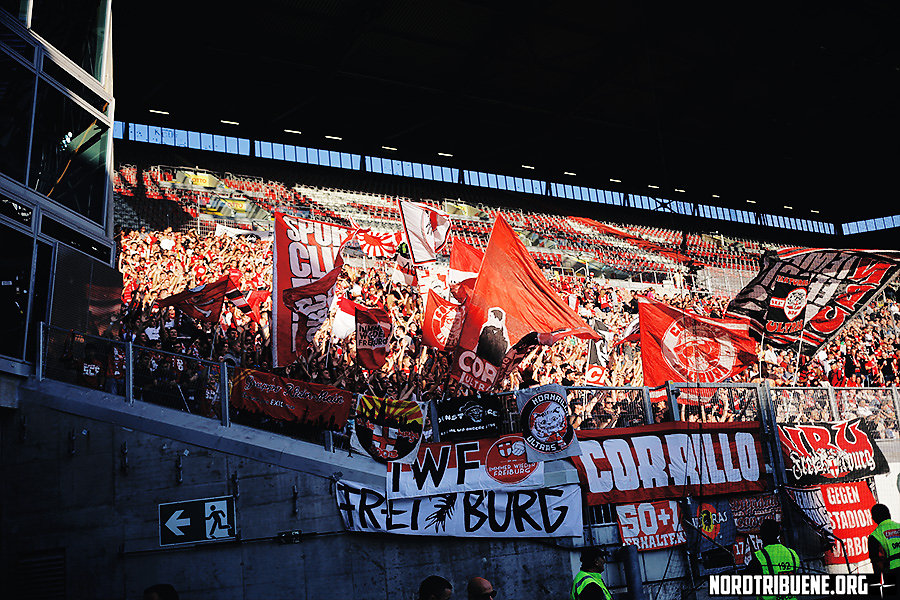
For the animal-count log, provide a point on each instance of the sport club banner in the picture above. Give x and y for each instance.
(543, 416)
(545, 512)
(387, 429)
(670, 460)
(713, 535)
(426, 230)
(849, 508)
(310, 303)
(305, 251)
(373, 326)
(512, 309)
(441, 322)
(203, 302)
(291, 400)
(468, 417)
(840, 284)
(683, 347)
(488, 464)
(650, 525)
(830, 452)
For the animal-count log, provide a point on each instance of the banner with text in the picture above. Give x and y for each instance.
(650, 525)
(468, 417)
(817, 453)
(290, 400)
(545, 512)
(849, 506)
(478, 465)
(670, 460)
(543, 417)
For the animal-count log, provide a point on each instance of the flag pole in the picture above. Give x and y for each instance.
(799, 350)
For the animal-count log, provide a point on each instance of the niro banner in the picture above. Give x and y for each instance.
(545, 512)
(817, 453)
(670, 460)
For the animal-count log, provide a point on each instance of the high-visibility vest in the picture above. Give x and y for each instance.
(583, 579)
(888, 535)
(777, 559)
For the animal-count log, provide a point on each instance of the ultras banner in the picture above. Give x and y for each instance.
(462, 418)
(291, 400)
(546, 512)
(814, 290)
(830, 452)
(497, 463)
(670, 460)
(305, 251)
(543, 416)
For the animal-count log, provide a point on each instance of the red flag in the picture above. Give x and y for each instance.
(373, 326)
(311, 303)
(255, 300)
(203, 302)
(596, 369)
(683, 347)
(465, 262)
(512, 308)
(442, 322)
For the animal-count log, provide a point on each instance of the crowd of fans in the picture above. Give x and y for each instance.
(158, 264)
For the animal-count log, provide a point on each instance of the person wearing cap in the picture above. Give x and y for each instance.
(588, 584)
(884, 545)
(773, 558)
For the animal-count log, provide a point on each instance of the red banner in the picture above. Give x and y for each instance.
(650, 525)
(305, 251)
(310, 304)
(670, 460)
(441, 322)
(291, 400)
(373, 327)
(203, 302)
(849, 506)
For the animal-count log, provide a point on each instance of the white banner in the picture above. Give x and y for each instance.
(426, 230)
(545, 512)
(495, 464)
(235, 231)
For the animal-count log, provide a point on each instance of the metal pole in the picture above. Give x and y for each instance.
(435, 430)
(673, 401)
(648, 406)
(832, 402)
(39, 375)
(129, 372)
(223, 393)
(633, 573)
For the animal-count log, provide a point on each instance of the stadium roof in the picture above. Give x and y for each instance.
(786, 104)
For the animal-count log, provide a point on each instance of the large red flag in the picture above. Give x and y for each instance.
(512, 308)
(680, 346)
(465, 262)
(203, 302)
(310, 303)
(441, 322)
(373, 326)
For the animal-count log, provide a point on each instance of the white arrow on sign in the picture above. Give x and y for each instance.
(174, 523)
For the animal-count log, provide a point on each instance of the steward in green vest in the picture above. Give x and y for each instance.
(588, 584)
(884, 545)
(773, 558)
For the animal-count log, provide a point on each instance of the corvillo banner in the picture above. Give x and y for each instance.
(670, 460)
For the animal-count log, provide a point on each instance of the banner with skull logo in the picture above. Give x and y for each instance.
(544, 417)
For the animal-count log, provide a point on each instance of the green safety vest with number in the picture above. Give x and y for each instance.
(777, 559)
(888, 535)
(583, 579)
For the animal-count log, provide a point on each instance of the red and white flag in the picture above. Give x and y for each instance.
(378, 245)
(442, 322)
(203, 302)
(631, 334)
(596, 367)
(373, 327)
(235, 295)
(426, 230)
(255, 299)
(344, 322)
(465, 262)
(404, 272)
(680, 346)
(311, 303)
(511, 309)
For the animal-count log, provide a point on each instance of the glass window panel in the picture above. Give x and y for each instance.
(373, 164)
(168, 136)
(482, 179)
(244, 146)
(155, 134)
(519, 184)
(567, 191)
(68, 81)
(206, 141)
(15, 268)
(355, 159)
(427, 174)
(300, 153)
(74, 27)
(417, 170)
(219, 143)
(17, 8)
(501, 182)
(450, 175)
(118, 130)
(193, 140)
(265, 149)
(277, 151)
(492, 180)
(16, 100)
(397, 167)
(407, 168)
(290, 153)
(345, 161)
(139, 133)
(312, 156)
(387, 166)
(334, 158)
(68, 156)
(529, 186)
(468, 177)
(231, 145)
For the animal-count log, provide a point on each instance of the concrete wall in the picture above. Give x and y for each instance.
(67, 485)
